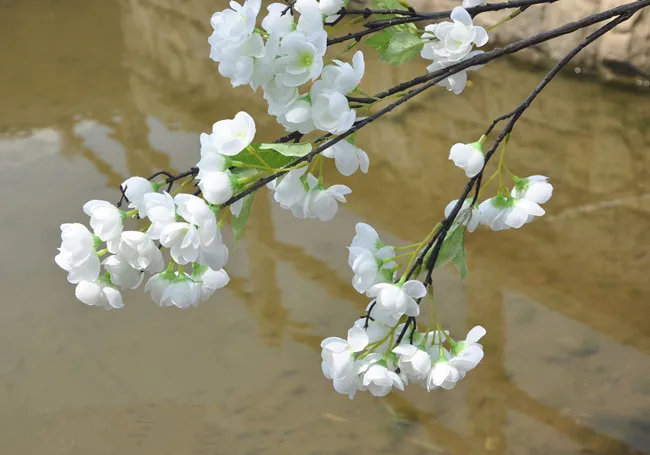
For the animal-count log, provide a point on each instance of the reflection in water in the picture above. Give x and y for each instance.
(564, 300)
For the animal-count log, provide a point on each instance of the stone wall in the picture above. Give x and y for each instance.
(622, 54)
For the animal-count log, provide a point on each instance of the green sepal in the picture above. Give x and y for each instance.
(238, 223)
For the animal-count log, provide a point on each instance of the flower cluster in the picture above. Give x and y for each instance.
(369, 360)
(285, 55)
(448, 43)
(184, 224)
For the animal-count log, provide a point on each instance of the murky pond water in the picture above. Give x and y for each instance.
(94, 91)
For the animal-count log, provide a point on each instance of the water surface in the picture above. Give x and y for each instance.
(94, 91)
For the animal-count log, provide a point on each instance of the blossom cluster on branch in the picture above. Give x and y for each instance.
(171, 233)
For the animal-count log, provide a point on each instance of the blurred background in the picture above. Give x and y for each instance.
(94, 91)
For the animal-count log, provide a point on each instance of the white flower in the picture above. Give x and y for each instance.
(468, 157)
(183, 242)
(375, 331)
(105, 219)
(344, 77)
(454, 82)
(216, 187)
(198, 240)
(468, 215)
(322, 203)
(394, 301)
(173, 289)
(297, 116)
(264, 67)
(139, 251)
(239, 64)
(77, 254)
(210, 280)
(330, 7)
(232, 27)
(135, 189)
(299, 60)
(231, 136)
(347, 157)
(502, 213)
(338, 354)
(366, 237)
(468, 353)
(310, 23)
(350, 383)
(275, 22)
(534, 188)
(290, 190)
(280, 97)
(379, 380)
(370, 269)
(471, 3)
(161, 211)
(233, 43)
(455, 39)
(95, 293)
(413, 362)
(443, 374)
(330, 109)
(211, 160)
(121, 273)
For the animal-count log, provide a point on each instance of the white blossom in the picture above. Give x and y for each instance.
(77, 254)
(393, 300)
(534, 188)
(330, 7)
(502, 213)
(174, 289)
(322, 203)
(367, 238)
(231, 136)
(468, 353)
(454, 39)
(347, 157)
(139, 251)
(279, 19)
(443, 374)
(289, 190)
(280, 97)
(343, 77)
(121, 273)
(379, 380)
(299, 60)
(330, 109)
(216, 187)
(468, 215)
(210, 280)
(297, 116)
(264, 68)
(413, 361)
(468, 157)
(96, 293)
(371, 268)
(211, 160)
(454, 82)
(105, 219)
(135, 188)
(161, 211)
(338, 354)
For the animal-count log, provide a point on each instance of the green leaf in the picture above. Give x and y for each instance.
(239, 222)
(398, 44)
(453, 244)
(379, 41)
(403, 46)
(270, 157)
(295, 150)
(460, 261)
